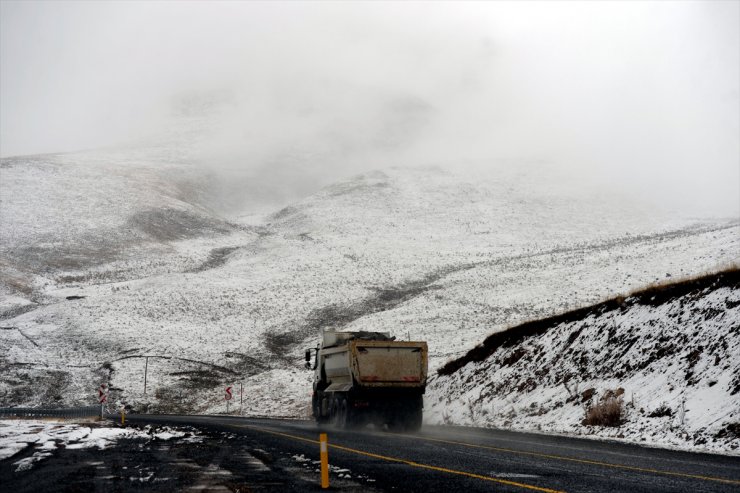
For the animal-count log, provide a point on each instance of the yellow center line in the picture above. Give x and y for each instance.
(407, 462)
(582, 461)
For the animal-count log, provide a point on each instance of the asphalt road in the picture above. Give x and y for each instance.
(453, 459)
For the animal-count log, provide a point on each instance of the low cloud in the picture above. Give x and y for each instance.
(637, 97)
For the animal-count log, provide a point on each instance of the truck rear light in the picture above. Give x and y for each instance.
(361, 404)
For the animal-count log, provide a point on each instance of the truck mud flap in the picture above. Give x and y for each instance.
(338, 387)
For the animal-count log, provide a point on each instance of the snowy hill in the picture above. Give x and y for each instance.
(73, 212)
(670, 354)
(113, 256)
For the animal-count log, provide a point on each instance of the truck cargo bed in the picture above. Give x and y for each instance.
(389, 363)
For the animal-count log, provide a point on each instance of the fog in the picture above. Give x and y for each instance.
(634, 97)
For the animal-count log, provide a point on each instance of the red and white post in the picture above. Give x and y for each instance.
(228, 397)
(103, 398)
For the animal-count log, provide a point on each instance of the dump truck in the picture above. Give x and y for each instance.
(368, 377)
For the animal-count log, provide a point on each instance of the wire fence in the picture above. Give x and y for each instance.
(35, 412)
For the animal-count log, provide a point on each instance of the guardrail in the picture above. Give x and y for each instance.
(35, 412)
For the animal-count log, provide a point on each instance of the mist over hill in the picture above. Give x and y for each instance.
(639, 98)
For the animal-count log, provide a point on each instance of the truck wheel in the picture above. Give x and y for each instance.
(396, 421)
(316, 405)
(413, 420)
(333, 406)
(395, 426)
(341, 412)
(405, 420)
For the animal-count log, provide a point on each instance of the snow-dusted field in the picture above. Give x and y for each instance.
(112, 256)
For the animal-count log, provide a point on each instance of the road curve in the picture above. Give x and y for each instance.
(458, 459)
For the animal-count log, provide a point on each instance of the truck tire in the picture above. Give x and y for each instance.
(406, 419)
(343, 417)
(395, 425)
(339, 412)
(316, 407)
(413, 420)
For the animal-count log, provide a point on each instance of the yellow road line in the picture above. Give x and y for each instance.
(407, 462)
(582, 461)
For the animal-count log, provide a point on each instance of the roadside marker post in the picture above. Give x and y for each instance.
(123, 416)
(228, 397)
(146, 370)
(103, 398)
(324, 448)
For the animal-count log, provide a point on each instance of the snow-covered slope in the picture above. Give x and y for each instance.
(671, 353)
(63, 215)
(420, 252)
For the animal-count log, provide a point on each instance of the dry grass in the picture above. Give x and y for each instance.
(607, 412)
(657, 286)
(660, 412)
(15, 280)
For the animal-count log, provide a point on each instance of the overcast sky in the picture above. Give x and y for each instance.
(641, 95)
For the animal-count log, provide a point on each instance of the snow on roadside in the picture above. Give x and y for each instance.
(673, 363)
(47, 436)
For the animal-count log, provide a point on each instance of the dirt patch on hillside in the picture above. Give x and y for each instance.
(338, 316)
(217, 258)
(172, 224)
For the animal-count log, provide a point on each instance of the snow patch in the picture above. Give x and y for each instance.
(46, 437)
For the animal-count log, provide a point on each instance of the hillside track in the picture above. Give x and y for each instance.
(390, 297)
(453, 459)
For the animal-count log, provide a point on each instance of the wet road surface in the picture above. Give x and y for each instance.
(243, 454)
